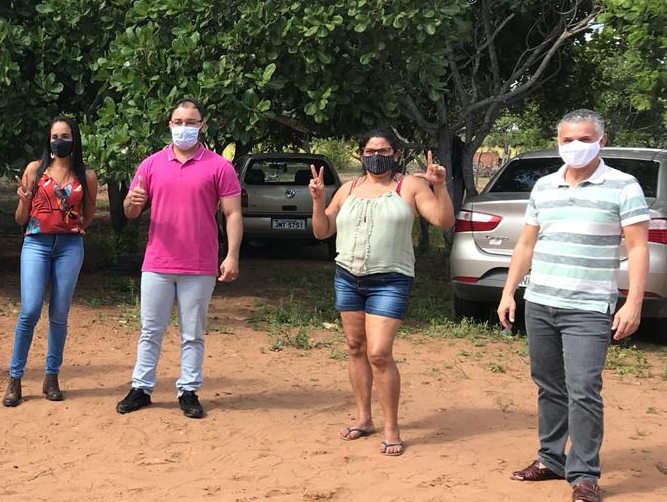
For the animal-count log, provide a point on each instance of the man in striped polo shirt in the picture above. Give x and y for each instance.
(570, 243)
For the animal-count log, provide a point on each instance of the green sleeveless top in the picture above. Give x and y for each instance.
(375, 235)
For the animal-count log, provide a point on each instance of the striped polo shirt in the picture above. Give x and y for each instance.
(576, 255)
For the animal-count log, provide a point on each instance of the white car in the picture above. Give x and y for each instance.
(488, 226)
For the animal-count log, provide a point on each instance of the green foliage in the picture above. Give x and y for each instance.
(627, 359)
(339, 151)
(283, 72)
(618, 70)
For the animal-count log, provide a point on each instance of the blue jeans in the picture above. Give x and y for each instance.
(567, 350)
(54, 258)
(193, 294)
(383, 294)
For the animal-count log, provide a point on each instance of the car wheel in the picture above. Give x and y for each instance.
(476, 310)
(653, 329)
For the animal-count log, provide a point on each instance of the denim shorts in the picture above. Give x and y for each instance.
(384, 294)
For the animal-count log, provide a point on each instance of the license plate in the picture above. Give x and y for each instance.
(287, 224)
(524, 282)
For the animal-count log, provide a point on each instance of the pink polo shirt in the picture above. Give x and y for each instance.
(183, 197)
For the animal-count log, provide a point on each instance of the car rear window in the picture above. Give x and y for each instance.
(289, 172)
(521, 174)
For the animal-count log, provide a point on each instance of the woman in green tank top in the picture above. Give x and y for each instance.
(372, 217)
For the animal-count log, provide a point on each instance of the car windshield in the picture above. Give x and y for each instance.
(287, 172)
(521, 174)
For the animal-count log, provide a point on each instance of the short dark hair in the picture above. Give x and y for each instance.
(187, 103)
(387, 134)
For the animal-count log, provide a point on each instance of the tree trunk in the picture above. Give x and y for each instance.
(117, 191)
(449, 154)
(241, 149)
(424, 237)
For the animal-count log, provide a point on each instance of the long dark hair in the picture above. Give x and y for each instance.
(76, 157)
(387, 134)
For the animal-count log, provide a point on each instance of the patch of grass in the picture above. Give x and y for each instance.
(95, 302)
(115, 291)
(430, 298)
(627, 360)
(283, 339)
(478, 333)
(497, 367)
(652, 410)
(309, 302)
(338, 355)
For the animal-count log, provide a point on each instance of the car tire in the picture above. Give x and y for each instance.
(479, 311)
(653, 329)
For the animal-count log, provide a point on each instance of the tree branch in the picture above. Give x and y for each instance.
(490, 37)
(458, 83)
(534, 78)
(290, 122)
(417, 116)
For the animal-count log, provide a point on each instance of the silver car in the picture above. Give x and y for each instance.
(488, 226)
(275, 199)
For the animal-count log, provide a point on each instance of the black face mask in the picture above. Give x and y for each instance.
(61, 147)
(378, 164)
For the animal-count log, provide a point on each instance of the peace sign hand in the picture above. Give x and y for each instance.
(435, 173)
(316, 185)
(22, 191)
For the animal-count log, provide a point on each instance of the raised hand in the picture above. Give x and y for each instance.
(435, 173)
(138, 195)
(24, 193)
(316, 185)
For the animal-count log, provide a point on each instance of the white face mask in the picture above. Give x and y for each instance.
(184, 137)
(578, 154)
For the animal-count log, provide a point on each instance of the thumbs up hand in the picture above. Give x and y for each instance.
(138, 195)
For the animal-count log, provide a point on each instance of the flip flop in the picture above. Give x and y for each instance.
(350, 430)
(385, 445)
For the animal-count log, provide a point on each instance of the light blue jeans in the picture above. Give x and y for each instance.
(54, 258)
(193, 294)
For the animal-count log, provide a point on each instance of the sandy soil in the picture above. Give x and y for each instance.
(272, 418)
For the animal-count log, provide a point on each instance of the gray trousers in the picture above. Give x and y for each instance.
(158, 291)
(568, 349)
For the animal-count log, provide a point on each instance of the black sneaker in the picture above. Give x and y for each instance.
(134, 400)
(190, 405)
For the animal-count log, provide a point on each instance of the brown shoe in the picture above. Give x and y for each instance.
(586, 491)
(13, 394)
(535, 473)
(51, 388)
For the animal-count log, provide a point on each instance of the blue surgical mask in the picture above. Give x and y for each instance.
(184, 137)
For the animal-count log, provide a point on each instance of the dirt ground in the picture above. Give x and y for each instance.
(272, 421)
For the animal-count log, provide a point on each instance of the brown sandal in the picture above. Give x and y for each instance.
(586, 491)
(535, 473)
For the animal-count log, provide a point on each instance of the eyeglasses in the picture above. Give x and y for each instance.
(369, 152)
(188, 123)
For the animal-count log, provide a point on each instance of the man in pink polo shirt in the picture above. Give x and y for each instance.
(183, 183)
